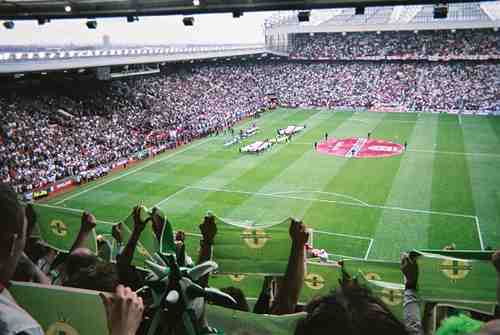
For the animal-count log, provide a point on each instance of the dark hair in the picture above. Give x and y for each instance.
(350, 310)
(85, 271)
(237, 295)
(11, 209)
(101, 277)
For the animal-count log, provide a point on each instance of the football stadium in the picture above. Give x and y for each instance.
(339, 177)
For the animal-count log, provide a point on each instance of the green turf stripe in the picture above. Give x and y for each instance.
(356, 178)
(484, 176)
(494, 123)
(370, 180)
(154, 182)
(254, 171)
(398, 230)
(451, 189)
(320, 168)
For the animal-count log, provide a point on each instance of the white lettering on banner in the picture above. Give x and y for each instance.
(383, 148)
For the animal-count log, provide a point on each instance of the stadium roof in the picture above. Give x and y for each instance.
(460, 16)
(38, 9)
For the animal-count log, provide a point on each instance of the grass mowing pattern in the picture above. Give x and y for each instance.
(437, 176)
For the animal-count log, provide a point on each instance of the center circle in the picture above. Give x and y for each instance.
(358, 147)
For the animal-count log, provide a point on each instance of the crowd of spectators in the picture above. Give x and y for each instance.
(442, 44)
(64, 129)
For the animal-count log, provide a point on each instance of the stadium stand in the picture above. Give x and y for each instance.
(444, 45)
(56, 132)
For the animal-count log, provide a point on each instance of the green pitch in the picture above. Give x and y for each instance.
(445, 189)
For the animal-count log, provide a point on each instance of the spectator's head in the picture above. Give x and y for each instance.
(13, 226)
(84, 270)
(350, 310)
(239, 296)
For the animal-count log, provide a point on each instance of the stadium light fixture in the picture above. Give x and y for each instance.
(303, 16)
(188, 21)
(9, 24)
(196, 3)
(91, 24)
(440, 11)
(67, 9)
(42, 21)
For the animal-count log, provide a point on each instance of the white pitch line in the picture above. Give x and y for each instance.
(133, 171)
(345, 256)
(344, 235)
(322, 192)
(456, 153)
(481, 242)
(271, 195)
(422, 211)
(355, 204)
(171, 196)
(358, 120)
(369, 248)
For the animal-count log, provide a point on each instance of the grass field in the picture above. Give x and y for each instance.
(444, 189)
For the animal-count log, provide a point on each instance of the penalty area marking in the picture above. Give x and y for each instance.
(354, 204)
(342, 235)
(369, 248)
(170, 196)
(322, 192)
(358, 203)
(133, 171)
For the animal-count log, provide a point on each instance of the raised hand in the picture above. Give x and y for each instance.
(409, 268)
(180, 236)
(208, 229)
(495, 258)
(139, 223)
(158, 223)
(116, 232)
(298, 233)
(124, 311)
(88, 222)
